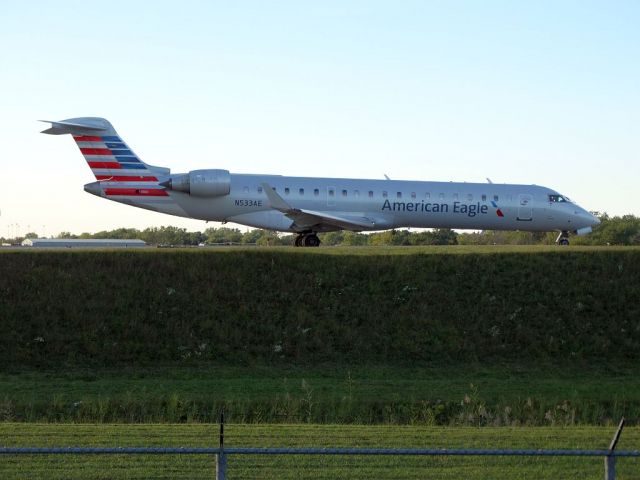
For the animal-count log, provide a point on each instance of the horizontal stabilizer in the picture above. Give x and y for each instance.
(74, 126)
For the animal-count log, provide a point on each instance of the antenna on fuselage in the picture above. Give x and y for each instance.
(489, 180)
(385, 176)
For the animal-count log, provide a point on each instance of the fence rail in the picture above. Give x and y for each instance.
(222, 453)
(311, 451)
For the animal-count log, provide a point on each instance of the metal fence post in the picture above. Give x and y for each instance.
(610, 459)
(221, 458)
(610, 468)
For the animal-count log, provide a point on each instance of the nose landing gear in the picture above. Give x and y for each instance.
(307, 240)
(563, 238)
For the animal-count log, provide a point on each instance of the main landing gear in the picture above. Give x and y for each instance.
(563, 238)
(307, 240)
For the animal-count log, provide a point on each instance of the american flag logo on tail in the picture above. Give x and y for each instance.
(119, 171)
(112, 161)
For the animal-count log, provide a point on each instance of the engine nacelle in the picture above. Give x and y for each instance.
(201, 183)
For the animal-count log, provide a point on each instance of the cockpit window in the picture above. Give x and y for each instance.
(558, 198)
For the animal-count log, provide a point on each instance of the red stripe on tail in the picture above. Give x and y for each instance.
(96, 151)
(111, 178)
(86, 138)
(136, 192)
(112, 165)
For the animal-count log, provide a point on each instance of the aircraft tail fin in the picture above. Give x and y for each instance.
(108, 156)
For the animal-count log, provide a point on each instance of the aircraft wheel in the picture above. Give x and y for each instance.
(298, 241)
(311, 240)
(563, 238)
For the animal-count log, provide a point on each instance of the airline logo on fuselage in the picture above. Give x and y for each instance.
(468, 209)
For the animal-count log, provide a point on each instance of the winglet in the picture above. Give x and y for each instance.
(276, 200)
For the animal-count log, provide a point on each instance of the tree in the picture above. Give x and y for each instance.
(390, 237)
(66, 235)
(252, 236)
(223, 235)
(438, 236)
(353, 238)
(623, 230)
(269, 238)
(332, 238)
(120, 233)
(165, 236)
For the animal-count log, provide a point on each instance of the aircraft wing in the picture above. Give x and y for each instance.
(308, 219)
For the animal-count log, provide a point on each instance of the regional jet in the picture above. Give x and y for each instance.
(306, 205)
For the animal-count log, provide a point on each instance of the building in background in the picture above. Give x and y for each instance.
(83, 243)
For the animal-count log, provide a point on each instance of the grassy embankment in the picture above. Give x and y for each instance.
(471, 395)
(295, 467)
(545, 335)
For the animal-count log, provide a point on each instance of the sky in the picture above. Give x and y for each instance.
(539, 92)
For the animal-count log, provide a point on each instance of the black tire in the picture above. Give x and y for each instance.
(563, 241)
(298, 241)
(311, 240)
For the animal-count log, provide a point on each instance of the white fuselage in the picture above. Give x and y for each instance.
(387, 203)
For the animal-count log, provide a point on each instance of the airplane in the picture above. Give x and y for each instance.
(307, 206)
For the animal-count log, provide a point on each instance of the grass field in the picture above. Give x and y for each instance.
(438, 249)
(420, 343)
(449, 395)
(545, 335)
(296, 467)
(362, 305)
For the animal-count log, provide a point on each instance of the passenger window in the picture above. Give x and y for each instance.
(331, 192)
(316, 192)
(259, 189)
(399, 195)
(344, 193)
(413, 194)
(469, 197)
(442, 196)
(427, 195)
(384, 194)
(484, 198)
(370, 193)
(245, 189)
(286, 191)
(455, 196)
(356, 193)
(495, 198)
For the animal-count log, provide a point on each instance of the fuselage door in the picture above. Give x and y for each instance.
(525, 207)
(331, 196)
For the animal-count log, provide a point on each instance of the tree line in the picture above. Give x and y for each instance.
(617, 230)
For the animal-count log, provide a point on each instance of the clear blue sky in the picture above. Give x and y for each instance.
(544, 92)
